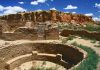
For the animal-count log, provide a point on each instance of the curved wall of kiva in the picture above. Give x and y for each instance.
(64, 55)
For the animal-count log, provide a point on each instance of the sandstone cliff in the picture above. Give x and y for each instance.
(42, 16)
(30, 19)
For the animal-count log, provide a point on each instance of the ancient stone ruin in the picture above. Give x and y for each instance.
(88, 34)
(63, 55)
(42, 25)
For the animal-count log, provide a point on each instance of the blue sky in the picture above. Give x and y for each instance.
(87, 7)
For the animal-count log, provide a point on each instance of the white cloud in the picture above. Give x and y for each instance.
(34, 3)
(37, 2)
(21, 2)
(97, 5)
(15, 8)
(73, 12)
(11, 10)
(96, 18)
(67, 12)
(98, 11)
(89, 14)
(38, 10)
(53, 8)
(1, 8)
(71, 7)
(41, 1)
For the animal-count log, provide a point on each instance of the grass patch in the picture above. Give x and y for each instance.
(71, 37)
(92, 27)
(90, 63)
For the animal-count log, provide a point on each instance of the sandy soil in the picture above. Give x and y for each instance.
(39, 64)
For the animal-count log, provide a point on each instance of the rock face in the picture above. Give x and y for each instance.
(43, 16)
(31, 19)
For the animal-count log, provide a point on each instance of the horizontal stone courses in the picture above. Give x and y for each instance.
(30, 34)
(45, 51)
(26, 58)
(19, 57)
(93, 35)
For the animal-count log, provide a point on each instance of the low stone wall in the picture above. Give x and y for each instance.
(70, 56)
(20, 61)
(18, 36)
(57, 59)
(30, 34)
(94, 35)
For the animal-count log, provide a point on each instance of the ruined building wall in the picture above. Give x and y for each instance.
(30, 34)
(69, 54)
(94, 35)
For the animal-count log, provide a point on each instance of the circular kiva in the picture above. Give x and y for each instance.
(64, 55)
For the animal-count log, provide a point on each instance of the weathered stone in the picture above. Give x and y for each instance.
(43, 16)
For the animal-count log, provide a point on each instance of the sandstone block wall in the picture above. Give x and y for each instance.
(93, 35)
(69, 54)
(30, 34)
(19, 62)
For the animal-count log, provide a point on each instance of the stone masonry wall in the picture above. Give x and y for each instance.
(94, 35)
(69, 54)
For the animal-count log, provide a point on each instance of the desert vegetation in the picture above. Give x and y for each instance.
(89, 27)
(90, 63)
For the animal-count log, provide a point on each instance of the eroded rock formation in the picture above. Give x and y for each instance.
(13, 21)
(38, 21)
(42, 16)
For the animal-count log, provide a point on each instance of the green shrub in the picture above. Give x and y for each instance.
(90, 63)
(93, 41)
(92, 27)
(71, 37)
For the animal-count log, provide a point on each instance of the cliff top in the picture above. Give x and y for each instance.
(29, 12)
